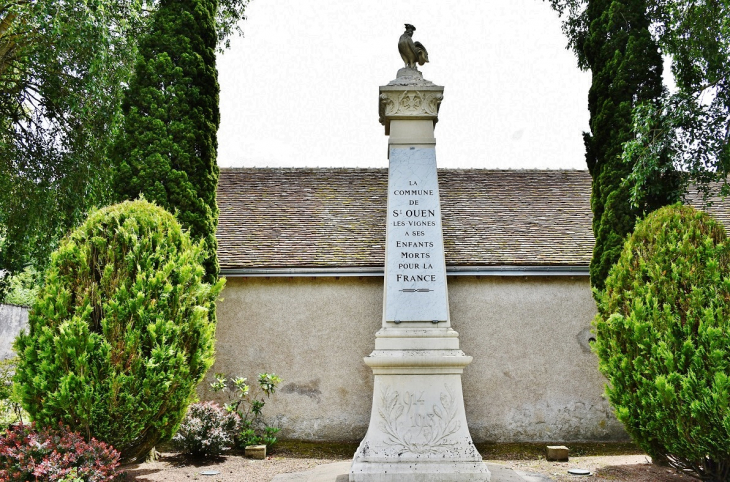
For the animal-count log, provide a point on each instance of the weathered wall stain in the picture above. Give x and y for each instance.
(565, 419)
(310, 389)
(585, 337)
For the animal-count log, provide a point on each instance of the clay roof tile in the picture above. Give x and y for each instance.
(335, 217)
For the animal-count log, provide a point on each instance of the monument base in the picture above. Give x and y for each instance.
(419, 472)
(418, 429)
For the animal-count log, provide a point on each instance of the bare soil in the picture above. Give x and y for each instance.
(607, 462)
(287, 457)
(623, 462)
(624, 468)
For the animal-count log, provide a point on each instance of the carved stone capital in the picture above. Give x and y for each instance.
(409, 102)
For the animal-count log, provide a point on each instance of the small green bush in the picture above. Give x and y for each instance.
(663, 340)
(248, 403)
(11, 410)
(120, 333)
(23, 287)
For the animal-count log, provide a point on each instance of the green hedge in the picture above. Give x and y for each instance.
(663, 340)
(119, 335)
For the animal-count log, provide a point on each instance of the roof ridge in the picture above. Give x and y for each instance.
(347, 168)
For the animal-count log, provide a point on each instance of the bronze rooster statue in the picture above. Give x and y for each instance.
(411, 51)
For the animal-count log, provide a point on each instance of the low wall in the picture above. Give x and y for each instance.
(12, 320)
(533, 377)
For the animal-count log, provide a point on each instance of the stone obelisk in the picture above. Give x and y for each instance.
(418, 429)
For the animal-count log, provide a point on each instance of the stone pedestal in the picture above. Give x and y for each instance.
(418, 429)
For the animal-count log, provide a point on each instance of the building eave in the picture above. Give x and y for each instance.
(378, 271)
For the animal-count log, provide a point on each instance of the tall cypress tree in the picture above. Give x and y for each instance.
(626, 69)
(167, 151)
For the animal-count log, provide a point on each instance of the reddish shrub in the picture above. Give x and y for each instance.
(54, 454)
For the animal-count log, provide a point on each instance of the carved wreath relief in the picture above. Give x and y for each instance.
(411, 426)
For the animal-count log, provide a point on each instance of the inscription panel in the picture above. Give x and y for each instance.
(415, 273)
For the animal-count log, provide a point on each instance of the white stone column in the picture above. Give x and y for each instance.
(418, 429)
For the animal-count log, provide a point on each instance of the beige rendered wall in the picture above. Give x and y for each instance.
(533, 377)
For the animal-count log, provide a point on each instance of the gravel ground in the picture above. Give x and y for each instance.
(230, 468)
(624, 467)
(288, 457)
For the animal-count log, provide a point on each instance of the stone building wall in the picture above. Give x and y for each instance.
(12, 319)
(533, 377)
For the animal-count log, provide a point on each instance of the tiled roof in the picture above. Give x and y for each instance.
(335, 217)
(284, 218)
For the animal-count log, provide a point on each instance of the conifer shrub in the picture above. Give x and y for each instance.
(167, 146)
(119, 335)
(663, 340)
(626, 70)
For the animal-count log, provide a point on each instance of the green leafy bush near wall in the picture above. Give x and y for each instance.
(663, 340)
(22, 288)
(119, 336)
(248, 402)
(11, 411)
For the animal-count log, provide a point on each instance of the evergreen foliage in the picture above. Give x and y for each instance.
(23, 287)
(64, 66)
(167, 150)
(663, 340)
(613, 39)
(120, 334)
(691, 125)
(626, 70)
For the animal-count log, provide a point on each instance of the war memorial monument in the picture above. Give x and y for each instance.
(418, 429)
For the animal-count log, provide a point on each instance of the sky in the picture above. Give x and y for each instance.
(300, 89)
